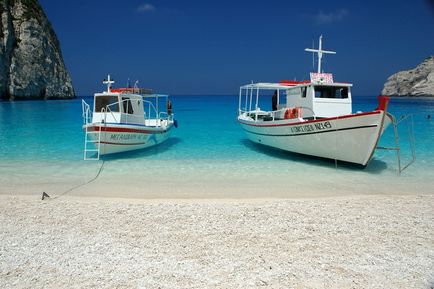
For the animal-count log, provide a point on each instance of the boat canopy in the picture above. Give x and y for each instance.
(265, 86)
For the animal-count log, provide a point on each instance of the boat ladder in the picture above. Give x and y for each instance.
(92, 144)
(92, 138)
(408, 119)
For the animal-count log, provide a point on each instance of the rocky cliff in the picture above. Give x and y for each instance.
(414, 82)
(31, 63)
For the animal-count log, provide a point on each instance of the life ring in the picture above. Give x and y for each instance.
(288, 113)
(297, 112)
(292, 112)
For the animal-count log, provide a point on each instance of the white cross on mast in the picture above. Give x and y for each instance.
(109, 83)
(320, 53)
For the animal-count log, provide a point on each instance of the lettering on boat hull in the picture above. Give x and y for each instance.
(311, 127)
(127, 136)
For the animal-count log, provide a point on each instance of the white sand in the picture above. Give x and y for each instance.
(341, 242)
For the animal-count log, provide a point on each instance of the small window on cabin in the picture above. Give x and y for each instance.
(108, 102)
(343, 92)
(303, 92)
(331, 92)
(128, 108)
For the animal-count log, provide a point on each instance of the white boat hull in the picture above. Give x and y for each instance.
(116, 138)
(351, 138)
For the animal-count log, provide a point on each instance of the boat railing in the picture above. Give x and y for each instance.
(117, 116)
(104, 112)
(165, 116)
(242, 111)
(86, 113)
(108, 110)
(308, 109)
(128, 117)
(152, 110)
(275, 114)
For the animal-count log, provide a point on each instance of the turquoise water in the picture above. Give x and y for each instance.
(38, 136)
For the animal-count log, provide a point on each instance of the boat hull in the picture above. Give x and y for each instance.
(116, 138)
(351, 138)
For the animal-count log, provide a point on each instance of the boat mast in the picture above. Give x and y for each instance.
(109, 83)
(320, 53)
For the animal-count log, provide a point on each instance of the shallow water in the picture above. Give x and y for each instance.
(41, 144)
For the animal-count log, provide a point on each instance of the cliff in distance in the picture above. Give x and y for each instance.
(31, 63)
(414, 82)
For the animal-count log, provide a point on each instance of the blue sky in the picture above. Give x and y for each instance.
(213, 47)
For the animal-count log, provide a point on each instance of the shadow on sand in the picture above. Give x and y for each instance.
(373, 167)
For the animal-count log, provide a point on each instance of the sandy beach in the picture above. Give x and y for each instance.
(216, 144)
(370, 241)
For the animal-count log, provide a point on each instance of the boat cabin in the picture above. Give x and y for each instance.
(118, 108)
(312, 99)
(319, 99)
(135, 106)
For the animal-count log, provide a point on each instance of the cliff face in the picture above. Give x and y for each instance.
(414, 82)
(31, 63)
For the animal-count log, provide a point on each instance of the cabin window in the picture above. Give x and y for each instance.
(126, 103)
(331, 92)
(303, 92)
(103, 101)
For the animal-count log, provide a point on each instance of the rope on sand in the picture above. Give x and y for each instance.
(81, 185)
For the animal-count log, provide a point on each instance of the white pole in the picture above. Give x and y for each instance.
(247, 97)
(320, 52)
(278, 97)
(256, 106)
(257, 98)
(251, 94)
(239, 102)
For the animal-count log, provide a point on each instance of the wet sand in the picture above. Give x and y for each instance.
(363, 241)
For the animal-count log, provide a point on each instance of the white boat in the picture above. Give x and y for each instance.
(125, 119)
(312, 117)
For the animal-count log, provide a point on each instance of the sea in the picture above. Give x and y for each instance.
(208, 155)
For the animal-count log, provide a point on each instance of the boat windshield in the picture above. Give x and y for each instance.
(126, 103)
(331, 92)
(101, 101)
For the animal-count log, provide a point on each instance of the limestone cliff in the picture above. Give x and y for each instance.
(414, 82)
(31, 63)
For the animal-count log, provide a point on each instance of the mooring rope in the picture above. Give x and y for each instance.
(81, 185)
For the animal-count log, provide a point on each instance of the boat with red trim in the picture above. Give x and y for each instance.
(125, 119)
(313, 117)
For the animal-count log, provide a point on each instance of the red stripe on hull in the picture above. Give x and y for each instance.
(119, 129)
(122, 144)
